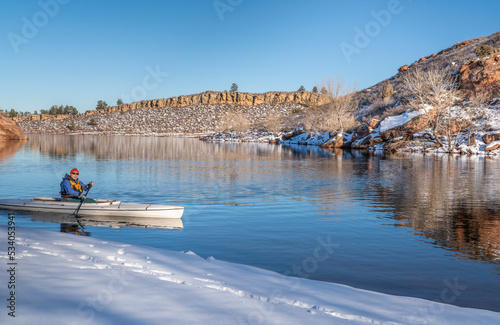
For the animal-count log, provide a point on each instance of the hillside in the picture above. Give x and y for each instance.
(452, 59)
(198, 118)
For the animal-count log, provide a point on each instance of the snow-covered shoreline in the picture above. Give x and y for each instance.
(66, 279)
(370, 137)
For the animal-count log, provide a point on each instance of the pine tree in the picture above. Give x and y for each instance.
(302, 88)
(119, 101)
(101, 105)
(234, 88)
(315, 89)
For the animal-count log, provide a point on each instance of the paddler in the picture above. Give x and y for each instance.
(72, 188)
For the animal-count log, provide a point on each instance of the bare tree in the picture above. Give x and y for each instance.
(339, 112)
(274, 123)
(235, 121)
(473, 111)
(437, 90)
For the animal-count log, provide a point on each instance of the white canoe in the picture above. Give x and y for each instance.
(101, 208)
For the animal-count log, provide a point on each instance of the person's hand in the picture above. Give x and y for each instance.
(91, 183)
(84, 197)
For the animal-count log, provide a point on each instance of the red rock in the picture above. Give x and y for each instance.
(361, 132)
(487, 138)
(404, 68)
(374, 124)
(482, 76)
(10, 131)
(463, 68)
(472, 140)
(493, 147)
(417, 124)
(333, 142)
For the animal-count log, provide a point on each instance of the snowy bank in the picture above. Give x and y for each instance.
(65, 279)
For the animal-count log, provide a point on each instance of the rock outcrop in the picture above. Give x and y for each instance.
(416, 124)
(226, 98)
(490, 137)
(10, 131)
(482, 75)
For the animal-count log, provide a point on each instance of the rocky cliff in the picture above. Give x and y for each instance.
(9, 130)
(223, 98)
(482, 75)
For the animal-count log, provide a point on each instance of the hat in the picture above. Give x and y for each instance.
(74, 170)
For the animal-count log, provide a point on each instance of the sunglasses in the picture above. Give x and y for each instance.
(74, 173)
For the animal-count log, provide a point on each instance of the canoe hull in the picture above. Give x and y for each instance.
(101, 208)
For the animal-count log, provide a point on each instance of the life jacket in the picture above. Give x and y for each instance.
(77, 186)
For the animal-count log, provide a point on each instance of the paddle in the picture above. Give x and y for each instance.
(81, 202)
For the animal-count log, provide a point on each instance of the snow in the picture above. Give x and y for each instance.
(394, 121)
(311, 139)
(66, 279)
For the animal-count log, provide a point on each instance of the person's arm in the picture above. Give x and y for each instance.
(84, 187)
(68, 189)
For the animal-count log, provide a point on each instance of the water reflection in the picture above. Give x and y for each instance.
(10, 147)
(453, 202)
(146, 148)
(76, 225)
(74, 229)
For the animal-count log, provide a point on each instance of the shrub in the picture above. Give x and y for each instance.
(72, 125)
(234, 121)
(387, 92)
(93, 122)
(483, 50)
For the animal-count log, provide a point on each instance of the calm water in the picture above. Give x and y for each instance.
(407, 225)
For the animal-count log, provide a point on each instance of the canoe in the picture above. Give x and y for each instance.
(101, 208)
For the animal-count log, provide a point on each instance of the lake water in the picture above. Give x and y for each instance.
(421, 226)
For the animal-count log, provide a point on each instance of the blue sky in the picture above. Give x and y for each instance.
(74, 52)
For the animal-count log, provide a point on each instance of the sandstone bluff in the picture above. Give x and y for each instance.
(227, 98)
(10, 131)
